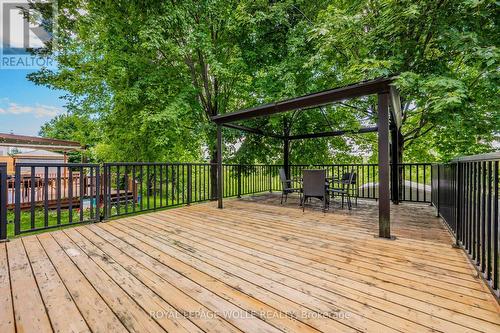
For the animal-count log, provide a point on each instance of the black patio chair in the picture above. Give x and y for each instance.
(286, 185)
(346, 183)
(314, 186)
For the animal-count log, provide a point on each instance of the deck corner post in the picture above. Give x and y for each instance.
(219, 167)
(3, 201)
(384, 202)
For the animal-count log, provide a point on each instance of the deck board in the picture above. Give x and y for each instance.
(255, 266)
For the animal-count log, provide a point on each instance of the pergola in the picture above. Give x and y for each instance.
(388, 127)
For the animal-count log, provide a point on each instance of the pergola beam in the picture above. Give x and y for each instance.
(332, 133)
(312, 100)
(253, 130)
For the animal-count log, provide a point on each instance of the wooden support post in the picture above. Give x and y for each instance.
(220, 182)
(384, 202)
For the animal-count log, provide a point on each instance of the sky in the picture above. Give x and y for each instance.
(24, 106)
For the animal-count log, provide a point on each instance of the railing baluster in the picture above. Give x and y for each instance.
(70, 196)
(46, 197)
(488, 221)
(58, 194)
(82, 187)
(17, 193)
(4, 188)
(154, 186)
(189, 183)
(32, 198)
(495, 227)
(97, 193)
(161, 184)
(483, 218)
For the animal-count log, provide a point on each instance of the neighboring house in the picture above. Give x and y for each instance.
(33, 156)
(31, 149)
(40, 156)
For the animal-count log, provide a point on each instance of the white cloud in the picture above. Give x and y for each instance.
(38, 110)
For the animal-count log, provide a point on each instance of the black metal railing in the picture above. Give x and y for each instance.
(50, 195)
(414, 179)
(465, 194)
(42, 196)
(131, 188)
(246, 179)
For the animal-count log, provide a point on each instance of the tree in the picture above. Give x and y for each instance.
(154, 74)
(80, 128)
(446, 54)
(151, 74)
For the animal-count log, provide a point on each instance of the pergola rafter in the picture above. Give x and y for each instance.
(387, 95)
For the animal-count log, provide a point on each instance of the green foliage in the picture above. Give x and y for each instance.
(446, 53)
(148, 75)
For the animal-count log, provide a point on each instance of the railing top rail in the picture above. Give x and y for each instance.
(479, 157)
(153, 163)
(336, 164)
(64, 165)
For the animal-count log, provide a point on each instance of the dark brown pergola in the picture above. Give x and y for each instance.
(388, 126)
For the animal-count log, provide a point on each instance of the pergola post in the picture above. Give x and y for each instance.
(395, 164)
(286, 156)
(384, 202)
(219, 167)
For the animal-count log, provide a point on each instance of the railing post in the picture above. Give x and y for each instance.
(438, 189)
(3, 201)
(105, 198)
(270, 179)
(189, 183)
(239, 180)
(17, 199)
(98, 193)
(458, 200)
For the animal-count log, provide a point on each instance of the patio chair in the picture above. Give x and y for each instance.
(286, 185)
(347, 182)
(314, 186)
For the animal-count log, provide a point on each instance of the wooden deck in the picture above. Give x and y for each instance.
(255, 266)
